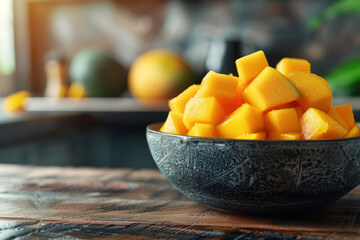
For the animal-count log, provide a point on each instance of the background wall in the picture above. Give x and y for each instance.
(315, 30)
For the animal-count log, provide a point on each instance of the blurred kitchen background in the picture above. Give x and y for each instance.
(39, 40)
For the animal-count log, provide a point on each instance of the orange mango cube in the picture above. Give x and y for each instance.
(177, 104)
(316, 124)
(282, 121)
(346, 113)
(202, 130)
(285, 136)
(202, 110)
(246, 119)
(315, 90)
(248, 67)
(335, 115)
(288, 65)
(253, 136)
(221, 86)
(174, 124)
(270, 89)
(353, 132)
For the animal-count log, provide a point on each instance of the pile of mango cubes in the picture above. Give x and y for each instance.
(286, 103)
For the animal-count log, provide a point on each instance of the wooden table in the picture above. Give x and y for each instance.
(57, 202)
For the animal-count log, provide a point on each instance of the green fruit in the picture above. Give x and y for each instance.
(345, 78)
(100, 75)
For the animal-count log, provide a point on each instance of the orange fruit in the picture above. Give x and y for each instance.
(159, 74)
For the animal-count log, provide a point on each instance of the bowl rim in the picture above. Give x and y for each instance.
(150, 128)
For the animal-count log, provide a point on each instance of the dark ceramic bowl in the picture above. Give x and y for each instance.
(257, 176)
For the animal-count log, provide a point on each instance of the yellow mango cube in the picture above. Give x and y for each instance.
(221, 86)
(174, 124)
(353, 132)
(335, 115)
(316, 124)
(246, 119)
(203, 110)
(282, 121)
(15, 101)
(253, 136)
(346, 113)
(315, 90)
(270, 89)
(177, 104)
(202, 130)
(248, 67)
(293, 104)
(288, 65)
(285, 136)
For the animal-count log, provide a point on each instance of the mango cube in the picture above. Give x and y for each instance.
(248, 67)
(202, 130)
(346, 113)
(353, 132)
(174, 124)
(203, 110)
(288, 65)
(221, 86)
(282, 121)
(284, 136)
(177, 104)
(293, 104)
(316, 124)
(246, 119)
(270, 89)
(335, 115)
(315, 90)
(253, 136)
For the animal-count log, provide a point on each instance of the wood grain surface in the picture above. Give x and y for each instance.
(78, 203)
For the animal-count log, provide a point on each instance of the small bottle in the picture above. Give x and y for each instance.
(222, 56)
(57, 83)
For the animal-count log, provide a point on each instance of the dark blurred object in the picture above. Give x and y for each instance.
(222, 55)
(98, 73)
(345, 78)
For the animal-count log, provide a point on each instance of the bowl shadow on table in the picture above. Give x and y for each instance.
(334, 218)
(261, 176)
